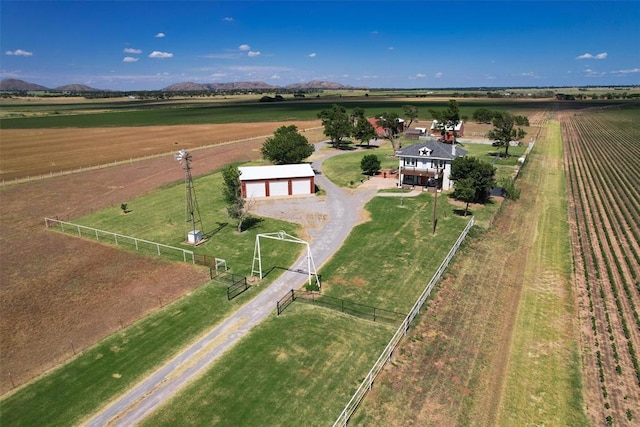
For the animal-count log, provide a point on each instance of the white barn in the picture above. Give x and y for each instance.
(277, 180)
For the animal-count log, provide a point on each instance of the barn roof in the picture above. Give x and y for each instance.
(252, 173)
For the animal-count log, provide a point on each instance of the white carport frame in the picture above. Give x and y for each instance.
(281, 235)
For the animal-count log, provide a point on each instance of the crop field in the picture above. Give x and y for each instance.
(603, 169)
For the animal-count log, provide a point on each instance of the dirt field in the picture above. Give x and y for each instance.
(36, 152)
(61, 294)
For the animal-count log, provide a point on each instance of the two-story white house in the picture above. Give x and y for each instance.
(419, 164)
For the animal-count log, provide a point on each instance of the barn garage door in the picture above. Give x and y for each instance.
(301, 186)
(256, 189)
(278, 188)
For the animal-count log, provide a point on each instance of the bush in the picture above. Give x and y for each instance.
(370, 164)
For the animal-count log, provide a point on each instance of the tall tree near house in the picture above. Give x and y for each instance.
(337, 124)
(410, 114)
(481, 175)
(364, 131)
(448, 119)
(390, 122)
(504, 131)
(356, 113)
(286, 146)
(232, 193)
(465, 192)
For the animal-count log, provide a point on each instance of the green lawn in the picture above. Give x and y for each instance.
(159, 216)
(387, 261)
(345, 171)
(298, 368)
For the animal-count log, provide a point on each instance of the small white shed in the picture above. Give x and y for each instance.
(277, 180)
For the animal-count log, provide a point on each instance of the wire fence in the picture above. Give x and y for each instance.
(128, 242)
(344, 306)
(367, 383)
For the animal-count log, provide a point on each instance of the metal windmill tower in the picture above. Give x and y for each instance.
(193, 219)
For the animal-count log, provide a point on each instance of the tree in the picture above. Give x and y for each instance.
(356, 113)
(410, 113)
(465, 192)
(504, 132)
(390, 122)
(232, 193)
(370, 164)
(483, 115)
(286, 146)
(364, 130)
(521, 120)
(481, 174)
(337, 124)
(448, 119)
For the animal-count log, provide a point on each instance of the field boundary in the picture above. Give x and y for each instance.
(51, 223)
(367, 383)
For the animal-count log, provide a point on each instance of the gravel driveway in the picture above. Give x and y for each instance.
(330, 219)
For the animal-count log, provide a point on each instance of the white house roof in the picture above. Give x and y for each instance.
(434, 125)
(252, 173)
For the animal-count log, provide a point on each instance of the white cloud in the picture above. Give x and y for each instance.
(275, 77)
(421, 75)
(602, 55)
(129, 59)
(222, 55)
(312, 55)
(160, 35)
(131, 50)
(244, 47)
(631, 71)
(529, 74)
(592, 73)
(252, 54)
(391, 48)
(18, 52)
(227, 19)
(438, 75)
(160, 55)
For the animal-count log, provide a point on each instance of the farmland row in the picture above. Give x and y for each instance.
(602, 200)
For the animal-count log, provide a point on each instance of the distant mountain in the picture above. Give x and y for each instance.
(193, 87)
(78, 88)
(19, 85)
(318, 84)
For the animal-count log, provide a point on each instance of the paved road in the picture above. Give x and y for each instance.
(344, 209)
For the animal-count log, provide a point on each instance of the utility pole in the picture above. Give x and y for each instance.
(434, 219)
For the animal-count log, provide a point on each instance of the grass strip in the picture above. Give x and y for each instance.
(544, 378)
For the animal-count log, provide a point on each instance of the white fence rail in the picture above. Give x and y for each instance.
(119, 239)
(367, 383)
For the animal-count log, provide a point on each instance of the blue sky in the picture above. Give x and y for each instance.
(146, 45)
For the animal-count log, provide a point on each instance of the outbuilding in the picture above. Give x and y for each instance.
(277, 180)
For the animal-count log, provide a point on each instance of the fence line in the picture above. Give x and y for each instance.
(51, 222)
(367, 383)
(345, 306)
(52, 174)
